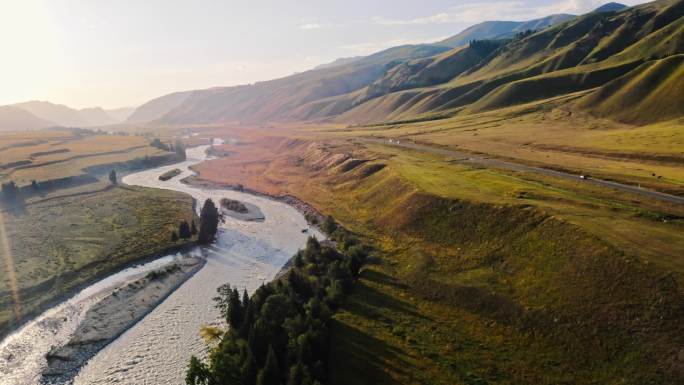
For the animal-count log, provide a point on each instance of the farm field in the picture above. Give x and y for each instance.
(55, 155)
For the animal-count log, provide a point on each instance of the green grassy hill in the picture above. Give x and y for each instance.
(501, 29)
(654, 89)
(533, 61)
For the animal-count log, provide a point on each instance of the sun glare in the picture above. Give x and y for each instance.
(31, 62)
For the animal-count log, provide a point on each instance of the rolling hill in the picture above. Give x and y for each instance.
(156, 108)
(120, 114)
(65, 116)
(16, 119)
(502, 29)
(503, 64)
(274, 99)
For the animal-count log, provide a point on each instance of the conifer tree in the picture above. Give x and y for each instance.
(209, 220)
(270, 373)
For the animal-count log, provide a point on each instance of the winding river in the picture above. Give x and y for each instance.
(156, 350)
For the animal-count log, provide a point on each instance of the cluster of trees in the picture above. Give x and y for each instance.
(484, 47)
(185, 231)
(10, 194)
(280, 335)
(208, 225)
(156, 142)
(523, 34)
(178, 147)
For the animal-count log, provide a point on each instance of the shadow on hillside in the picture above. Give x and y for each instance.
(370, 302)
(359, 358)
(381, 279)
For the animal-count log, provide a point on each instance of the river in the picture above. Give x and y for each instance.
(156, 350)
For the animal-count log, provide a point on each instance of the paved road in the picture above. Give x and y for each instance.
(497, 163)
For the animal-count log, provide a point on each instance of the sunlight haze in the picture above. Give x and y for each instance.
(123, 53)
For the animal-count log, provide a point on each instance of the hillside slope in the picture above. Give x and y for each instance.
(502, 29)
(275, 99)
(478, 276)
(564, 55)
(157, 107)
(654, 89)
(587, 52)
(66, 116)
(16, 119)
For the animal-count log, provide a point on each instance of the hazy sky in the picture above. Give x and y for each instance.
(114, 53)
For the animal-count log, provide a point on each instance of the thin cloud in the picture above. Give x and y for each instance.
(476, 12)
(311, 26)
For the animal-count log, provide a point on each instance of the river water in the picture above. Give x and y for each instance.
(156, 350)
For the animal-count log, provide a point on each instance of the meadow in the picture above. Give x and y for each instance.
(555, 135)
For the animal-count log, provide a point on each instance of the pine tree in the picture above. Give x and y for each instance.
(248, 320)
(193, 228)
(235, 310)
(180, 149)
(184, 230)
(198, 373)
(329, 226)
(112, 177)
(296, 374)
(270, 374)
(209, 220)
(249, 368)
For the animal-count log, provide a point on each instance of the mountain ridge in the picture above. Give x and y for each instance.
(405, 82)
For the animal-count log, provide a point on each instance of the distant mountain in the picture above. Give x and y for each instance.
(120, 114)
(276, 99)
(17, 119)
(501, 29)
(610, 7)
(156, 108)
(96, 116)
(338, 62)
(56, 113)
(65, 116)
(626, 60)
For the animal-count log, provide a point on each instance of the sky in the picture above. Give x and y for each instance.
(116, 53)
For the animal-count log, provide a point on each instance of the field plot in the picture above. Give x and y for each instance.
(76, 226)
(57, 155)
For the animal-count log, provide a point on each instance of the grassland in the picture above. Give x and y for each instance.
(554, 135)
(486, 275)
(70, 234)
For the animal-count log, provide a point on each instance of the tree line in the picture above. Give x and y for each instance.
(280, 335)
(178, 147)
